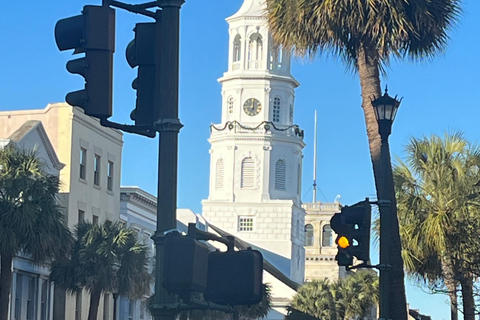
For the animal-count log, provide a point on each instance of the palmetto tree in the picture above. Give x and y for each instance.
(438, 204)
(356, 295)
(105, 258)
(30, 219)
(349, 298)
(365, 34)
(246, 312)
(314, 299)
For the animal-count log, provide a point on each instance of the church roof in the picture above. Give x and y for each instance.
(250, 8)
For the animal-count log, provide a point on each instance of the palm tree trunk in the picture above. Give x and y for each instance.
(451, 284)
(466, 282)
(368, 69)
(5, 283)
(452, 293)
(94, 303)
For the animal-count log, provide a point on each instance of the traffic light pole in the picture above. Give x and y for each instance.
(166, 102)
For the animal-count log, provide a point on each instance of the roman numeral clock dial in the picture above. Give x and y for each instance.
(252, 107)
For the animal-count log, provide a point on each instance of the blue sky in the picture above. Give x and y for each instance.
(441, 94)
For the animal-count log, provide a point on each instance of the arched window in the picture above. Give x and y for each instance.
(237, 48)
(255, 51)
(276, 57)
(308, 235)
(280, 175)
(327, 236)
(230, 102)
(276, 109)
(248, 173)
(291, 113)
(219, 174)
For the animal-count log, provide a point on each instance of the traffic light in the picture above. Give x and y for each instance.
(352, 226)
(235, 277)
(92, 33)
(141, 53)
(185, 265)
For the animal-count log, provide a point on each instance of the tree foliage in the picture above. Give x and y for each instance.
(365, 35)
(105, 258)
(439, 213)
(349, 298)
(253, 312)
(31, 222)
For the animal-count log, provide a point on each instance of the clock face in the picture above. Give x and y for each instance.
(252, 107)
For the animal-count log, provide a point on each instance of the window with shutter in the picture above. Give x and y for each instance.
(276, 109)
(280, 175)
(248, 173)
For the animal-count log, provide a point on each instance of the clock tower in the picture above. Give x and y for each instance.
(256, 150)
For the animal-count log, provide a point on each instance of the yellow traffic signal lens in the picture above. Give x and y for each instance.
(343, 242)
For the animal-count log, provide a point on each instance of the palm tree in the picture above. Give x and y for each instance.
(438, 206)
(105, 258)
(314, 299)
(365, 34)
(356, 295)
(31, 222)
(246, 312)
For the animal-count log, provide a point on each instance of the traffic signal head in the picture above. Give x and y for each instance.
(235, 277)
(352, 226)
(185, 266)
(92, 33)
(141, 53)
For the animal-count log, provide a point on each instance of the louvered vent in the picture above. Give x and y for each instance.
(248, 173)
(280, 175)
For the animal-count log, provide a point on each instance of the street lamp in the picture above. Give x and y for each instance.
(385, 111)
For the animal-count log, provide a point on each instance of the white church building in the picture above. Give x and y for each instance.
(256, 152)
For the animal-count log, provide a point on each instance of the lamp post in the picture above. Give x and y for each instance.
(385, 111)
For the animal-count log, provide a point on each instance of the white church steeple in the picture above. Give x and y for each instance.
(256, 150)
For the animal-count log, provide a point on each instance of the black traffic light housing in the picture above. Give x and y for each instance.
(92, 33)
(185, 266)
(141, 53)
(225, 278)
(235, 277)
(352, 226)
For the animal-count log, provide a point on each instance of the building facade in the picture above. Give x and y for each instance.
(256, 150)
(320, 247)
(138, 210)
(31, 289)
(90, 184)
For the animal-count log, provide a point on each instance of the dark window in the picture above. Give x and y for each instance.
(327, 236)
(110, 176)
(308, 235)
(95, 219)
(83, 163)
(96, 170)
(81, 216)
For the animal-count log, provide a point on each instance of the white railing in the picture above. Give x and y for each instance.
(321, 206)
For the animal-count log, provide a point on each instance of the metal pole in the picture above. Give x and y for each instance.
(168, 126)
(315, 161)
(384, 206)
